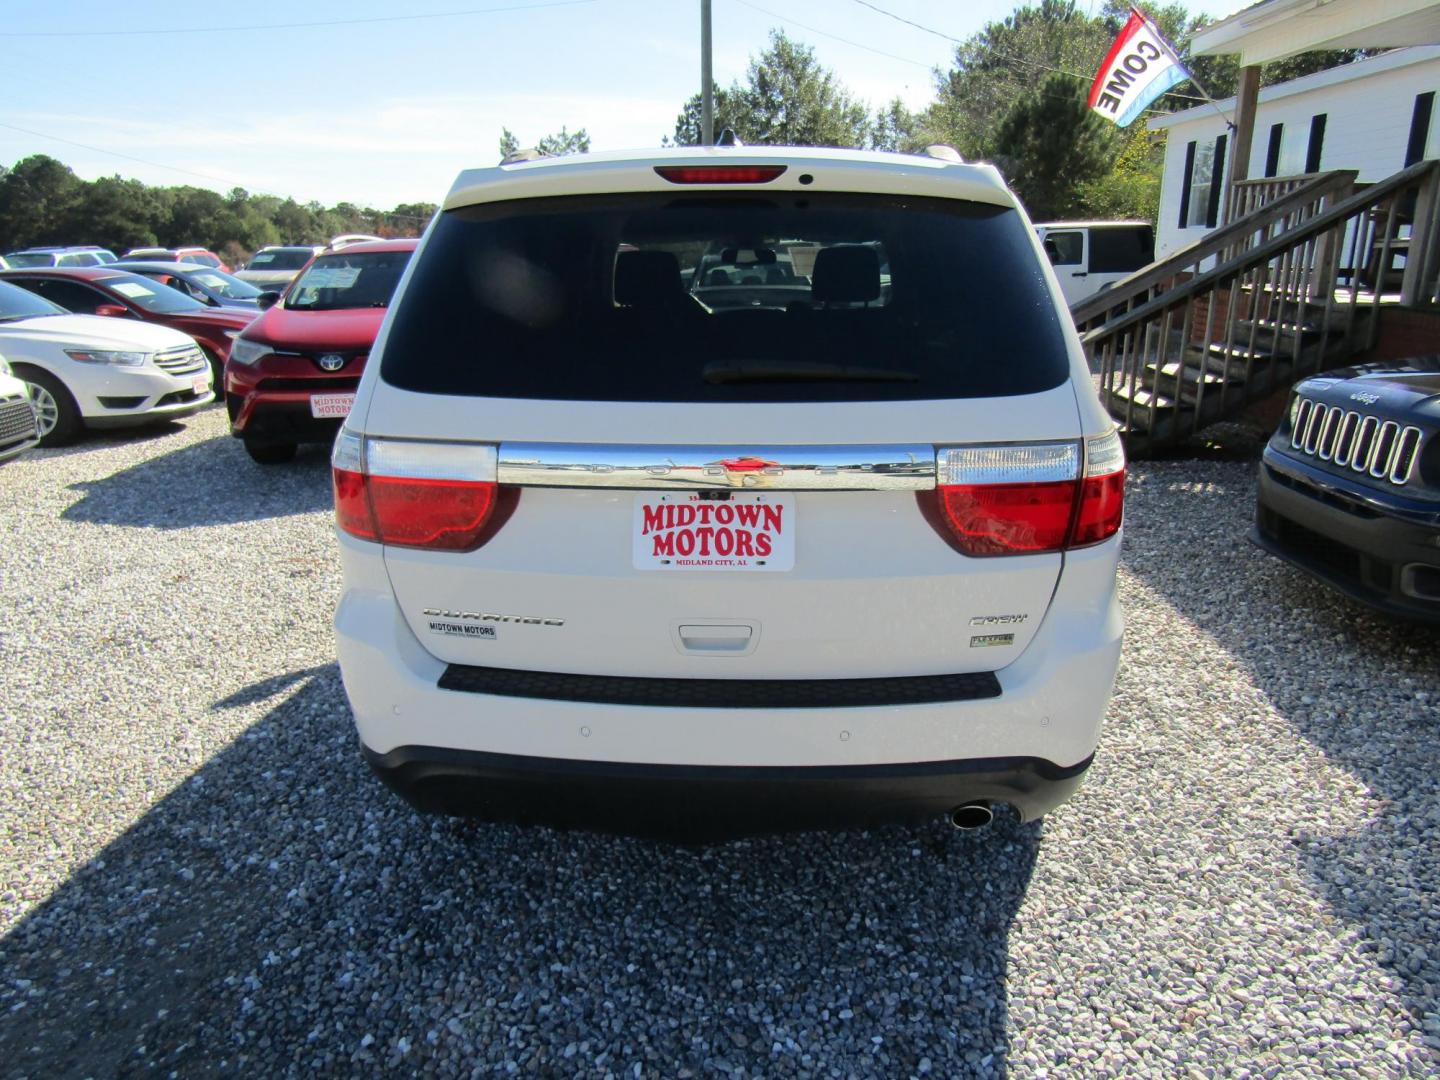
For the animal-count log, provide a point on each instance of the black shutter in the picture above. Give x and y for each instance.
(1217, 183)
(1317, 143)
(1185, 189)
(1419, 127)
(1272, 155)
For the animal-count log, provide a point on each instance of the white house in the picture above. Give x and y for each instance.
(1375, 116)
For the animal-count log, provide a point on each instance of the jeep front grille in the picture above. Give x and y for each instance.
(1365, 444)
(180, 360)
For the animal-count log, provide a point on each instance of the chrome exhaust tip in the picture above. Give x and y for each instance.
(972, 815)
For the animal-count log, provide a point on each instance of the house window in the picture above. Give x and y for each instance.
(1188, 178)
(1272, 154)
(1419, 127)
(1205, 178)
(1317, 143)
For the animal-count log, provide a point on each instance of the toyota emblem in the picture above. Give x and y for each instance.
(331, 361)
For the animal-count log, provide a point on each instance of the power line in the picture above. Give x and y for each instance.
(127, 157)
(293, 25)
(833, 37)
(908, 22)
(175, 168)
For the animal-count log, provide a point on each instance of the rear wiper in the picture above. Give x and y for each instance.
(800, 371)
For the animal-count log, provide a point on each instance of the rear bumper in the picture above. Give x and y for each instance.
(503, 753)
(1348, 540)
(690, 802)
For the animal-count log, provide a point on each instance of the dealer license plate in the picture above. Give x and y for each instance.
(751, 530)
(200, 384)
(330, 406)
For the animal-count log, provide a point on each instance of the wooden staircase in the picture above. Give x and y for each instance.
(1290, 287)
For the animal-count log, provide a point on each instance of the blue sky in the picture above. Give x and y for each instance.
(383, 112)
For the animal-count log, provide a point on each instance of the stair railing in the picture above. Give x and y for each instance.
(1312, 282)
(1302, 198)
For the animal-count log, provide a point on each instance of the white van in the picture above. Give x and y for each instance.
(1092, 255)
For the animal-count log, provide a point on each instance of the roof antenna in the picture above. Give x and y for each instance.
(728, 138)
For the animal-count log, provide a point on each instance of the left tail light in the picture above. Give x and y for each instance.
(438, 496)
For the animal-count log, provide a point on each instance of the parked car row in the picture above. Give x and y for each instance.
(115, 292)
(294, 371)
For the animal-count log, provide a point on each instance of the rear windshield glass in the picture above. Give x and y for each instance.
(280, 260)
(348, 281)
(151, 295)
(222, 284)
(710, 298)
(22, 259)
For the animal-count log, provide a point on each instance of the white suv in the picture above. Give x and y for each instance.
(829, 537)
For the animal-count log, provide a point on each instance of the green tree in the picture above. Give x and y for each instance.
(896, 128)
(728, 113)
(115, 213)
(556, 144)
(1003, 62)
(788, 99)
(1050, 144)
(38, 199)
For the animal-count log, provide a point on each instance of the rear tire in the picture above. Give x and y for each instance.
(55, 407)
(270, 453)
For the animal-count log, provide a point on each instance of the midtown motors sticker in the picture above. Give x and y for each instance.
(682, 531)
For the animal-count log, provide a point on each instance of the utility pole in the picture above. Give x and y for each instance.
(707, 87)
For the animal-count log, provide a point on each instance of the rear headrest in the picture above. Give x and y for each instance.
(647, 278)
(847, 273)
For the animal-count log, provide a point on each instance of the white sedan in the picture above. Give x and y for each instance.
(85, 371)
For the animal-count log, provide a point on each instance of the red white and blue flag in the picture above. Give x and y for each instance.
(1139, 67)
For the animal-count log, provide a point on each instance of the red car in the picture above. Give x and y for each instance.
(291, 377)
(197, 255)
(109, 290)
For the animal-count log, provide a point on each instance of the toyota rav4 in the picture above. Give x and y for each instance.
(720, 490)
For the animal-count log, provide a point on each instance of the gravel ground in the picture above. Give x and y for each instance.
(200, 876)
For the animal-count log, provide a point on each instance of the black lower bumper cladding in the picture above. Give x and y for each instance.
(1382, 560)
(722, 693)
(709, 803)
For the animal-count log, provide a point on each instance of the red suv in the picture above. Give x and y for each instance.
(110, 290)
(291, 376)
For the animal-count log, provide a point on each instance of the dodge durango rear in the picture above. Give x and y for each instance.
(714, 491)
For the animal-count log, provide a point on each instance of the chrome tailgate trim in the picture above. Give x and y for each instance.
(772, 468)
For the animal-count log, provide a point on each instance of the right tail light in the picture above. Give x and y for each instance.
(1026, 498)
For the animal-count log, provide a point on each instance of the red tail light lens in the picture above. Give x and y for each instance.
(1009, 519)
(437, 496)
(719, 174)
(1102, 494)
(1025, 499)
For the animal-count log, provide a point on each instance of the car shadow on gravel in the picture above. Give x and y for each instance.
(281, 912)
(1363, 689)
(206, 483)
